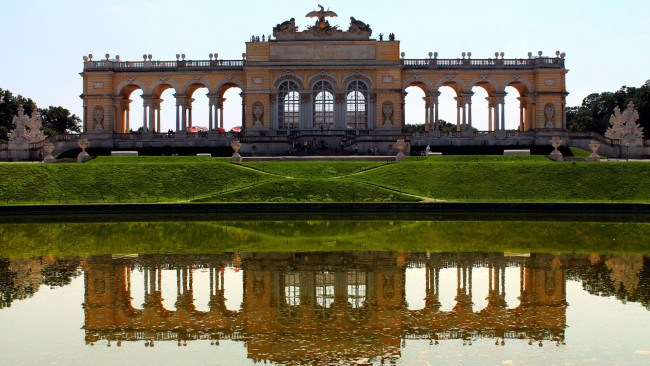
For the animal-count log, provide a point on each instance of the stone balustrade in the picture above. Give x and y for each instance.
(471, 63)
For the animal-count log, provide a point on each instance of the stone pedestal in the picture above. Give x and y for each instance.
(400, 146)
(48, 151)
(83, 155)
(18, 149)
(556, 155)
(594, 145)
(236, 145)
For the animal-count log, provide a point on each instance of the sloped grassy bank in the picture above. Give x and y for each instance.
(204, 179)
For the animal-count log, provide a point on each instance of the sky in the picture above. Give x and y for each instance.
(606, 42)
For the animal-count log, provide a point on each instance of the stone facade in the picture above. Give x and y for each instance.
(299, 79)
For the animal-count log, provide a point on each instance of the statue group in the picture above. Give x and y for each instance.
(26, 129)
(624, 126)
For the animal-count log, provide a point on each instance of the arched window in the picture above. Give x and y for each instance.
(288, 106)
(323, 105)
(356, 288)
(357, 105)
(292, 289)
(325, 289)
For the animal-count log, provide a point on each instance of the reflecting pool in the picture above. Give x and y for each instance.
(367, 306)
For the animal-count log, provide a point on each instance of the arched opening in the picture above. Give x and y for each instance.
(201, 288)
(167, 102)
(481, 113)
(448, 113)
(415, 109)
(199, 111)
(132, 118)
(234, 290)
(447, 291)
(232, 107)
(356, 105)
(516, 107)
(323, 105)
(135, 287)
(416, 290)
(288, 105)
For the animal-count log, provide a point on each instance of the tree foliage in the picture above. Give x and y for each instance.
(594, 112)
(58, 120)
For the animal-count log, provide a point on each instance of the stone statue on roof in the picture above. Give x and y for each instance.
(321, 14)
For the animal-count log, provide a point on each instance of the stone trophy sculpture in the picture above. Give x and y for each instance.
(549, 112)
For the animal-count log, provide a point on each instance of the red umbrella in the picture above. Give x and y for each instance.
(193, 129)
(220, 129)
(236, 129)
(203, 128)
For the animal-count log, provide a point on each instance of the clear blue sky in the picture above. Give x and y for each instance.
(607, 42)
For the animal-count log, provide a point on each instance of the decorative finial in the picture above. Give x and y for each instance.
(557, 53)
(530, 54)
(243, 55)
(85, 58)
(178, 57)
(430, 54)
(463, 54)
(149, 57)
(108, 56)
(90, 56)
(210, 55)
(144, 57)
(469, 54)
(435, 55)
(183, 57)
(117, 57)
(496, 54)
(502, 54)
(562, 54)
(539, 53)
(403, 54)
(216, 55)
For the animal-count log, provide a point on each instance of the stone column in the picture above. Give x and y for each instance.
(148, 116)
(220, 109)
(427, 121)
(372, 108)
(564, 112)
(180, 108)
(434, 105)
(305, 104)
(340, 120)
(501, 122)
(459, 105)
(117, 114)
(243, 112)
(404, 93)
(127, 108)
(85, 120)
(522, 107)
(273, 113)
(467, 110)
(212, 116)
(491, 105)
(187, 115)
(156, 103)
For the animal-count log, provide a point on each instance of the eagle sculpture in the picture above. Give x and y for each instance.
(321, 23)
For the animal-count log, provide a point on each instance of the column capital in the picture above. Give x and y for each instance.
(147, 99)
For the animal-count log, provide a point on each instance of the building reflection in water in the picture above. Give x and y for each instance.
(319, 307)
(324, 306)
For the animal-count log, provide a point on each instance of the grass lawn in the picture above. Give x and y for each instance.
(476, 178)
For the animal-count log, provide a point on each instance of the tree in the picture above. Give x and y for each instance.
(9, 108)
(58, 120)
(594, 112)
